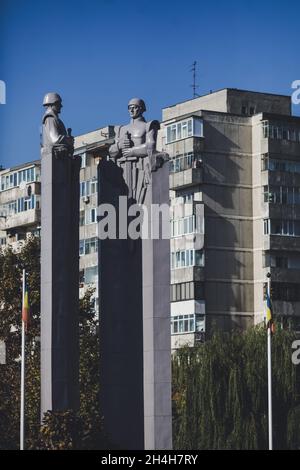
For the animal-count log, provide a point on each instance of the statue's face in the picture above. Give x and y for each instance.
(57, 107)
(135, 110)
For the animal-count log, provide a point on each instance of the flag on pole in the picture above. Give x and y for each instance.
(25, 307)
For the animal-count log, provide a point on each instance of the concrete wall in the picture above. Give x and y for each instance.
(227, 195)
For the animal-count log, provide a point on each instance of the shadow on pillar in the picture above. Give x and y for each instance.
(59, 283)
(121, 324)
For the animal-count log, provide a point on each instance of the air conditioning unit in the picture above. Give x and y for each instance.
(86, 199)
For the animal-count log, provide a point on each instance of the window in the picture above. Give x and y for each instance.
(188, 323)
(81, 218)
(22, 204)
(280, 131)
(2, 241)
(83, 160)
(282, 227)
(28, 175)
(288, 166)
(88, 246)
(89, 187)
(187, 291)
(265, 161)
(191, 127)
(91, 245)
(11, 180)
(266, 226)
(285, 291)
(282, 194)
(184, 162)
(82, 188)
(183, 197)
(279, 261)
(91, 275)
(183, 226)
(187, 258)
(90, 216)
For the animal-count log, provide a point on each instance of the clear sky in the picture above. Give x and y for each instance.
(99, 53)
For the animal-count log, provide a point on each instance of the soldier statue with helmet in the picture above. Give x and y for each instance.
(54, 132)
(134, 150)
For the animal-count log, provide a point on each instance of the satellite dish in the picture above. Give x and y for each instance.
(22, 185)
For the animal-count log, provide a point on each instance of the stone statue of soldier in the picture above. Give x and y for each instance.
(134, 150)
(54, 133)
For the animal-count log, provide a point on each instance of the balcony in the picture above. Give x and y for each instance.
(183, 179)
(285, 275)
(281, 242)
(23, 219)
(191, 273)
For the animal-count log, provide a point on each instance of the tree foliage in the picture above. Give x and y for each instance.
(220, 397)
(59, 430)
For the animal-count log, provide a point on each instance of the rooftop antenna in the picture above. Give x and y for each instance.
(194, 85)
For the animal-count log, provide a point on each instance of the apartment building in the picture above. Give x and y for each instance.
(234, 182)
(20, 203)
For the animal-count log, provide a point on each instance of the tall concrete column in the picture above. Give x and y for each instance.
(59, 281)
(156, 322)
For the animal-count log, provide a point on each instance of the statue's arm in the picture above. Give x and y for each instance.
(150, 145)
(114, 149)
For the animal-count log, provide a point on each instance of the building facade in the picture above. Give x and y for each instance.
(234, 160)
(20, 203)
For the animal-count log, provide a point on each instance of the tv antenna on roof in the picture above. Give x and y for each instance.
(194, 86)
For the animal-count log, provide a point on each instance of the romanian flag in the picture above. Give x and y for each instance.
(25, 308)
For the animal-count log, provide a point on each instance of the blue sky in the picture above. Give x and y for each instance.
(99, 53)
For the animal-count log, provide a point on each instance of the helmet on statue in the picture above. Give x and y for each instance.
(138, 102)
(51, 98)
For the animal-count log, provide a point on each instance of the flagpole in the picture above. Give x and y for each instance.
(269, 348)
(22, 406)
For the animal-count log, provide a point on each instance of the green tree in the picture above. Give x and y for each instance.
(59, 430)
(220, 393)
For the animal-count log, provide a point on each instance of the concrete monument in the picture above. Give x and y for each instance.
(59, 263)
(134, 285)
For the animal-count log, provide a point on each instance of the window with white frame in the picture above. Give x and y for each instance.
(12, 180)
(187, 258)
(183, 226)
(282, 227)
(191, 127)
(187, 323)
(91, 216)
(87, 188)
(282, 194)
(88, 246)
(280, 131)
